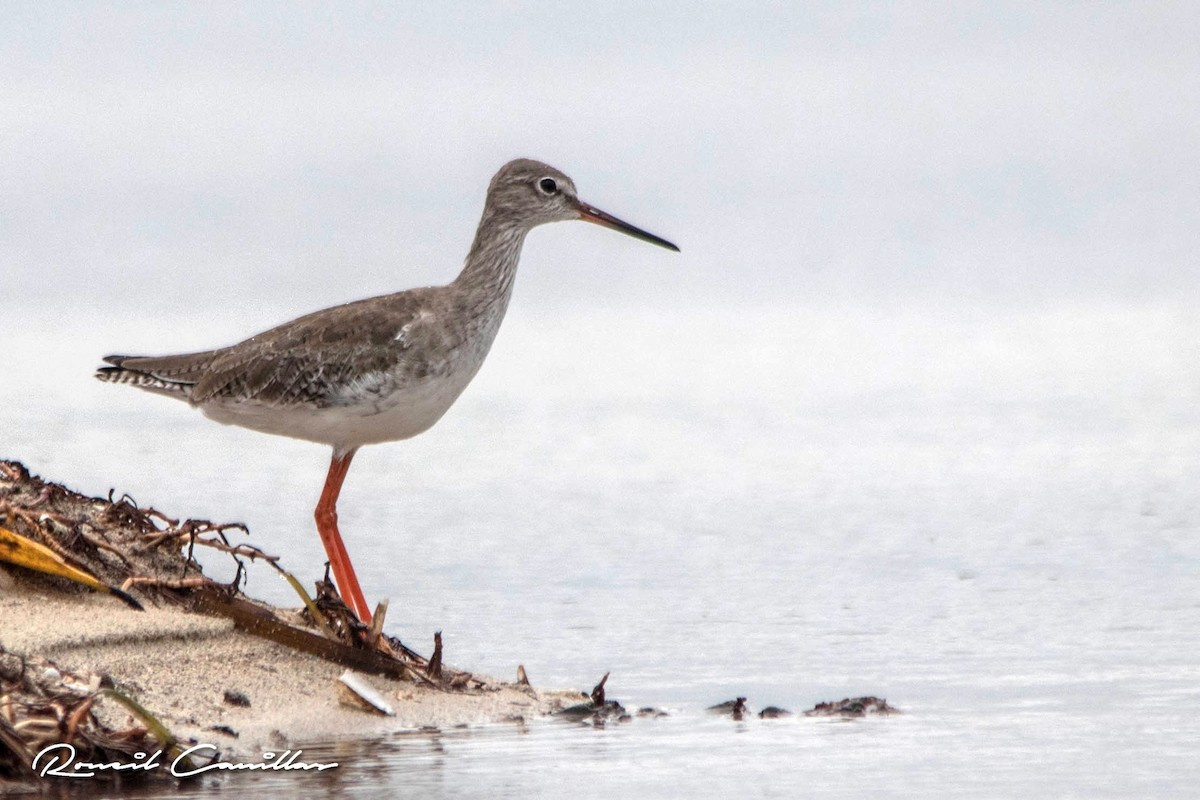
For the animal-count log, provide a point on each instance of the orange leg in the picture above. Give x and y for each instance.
(339, 560)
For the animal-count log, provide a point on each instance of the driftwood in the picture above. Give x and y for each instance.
(259, 621)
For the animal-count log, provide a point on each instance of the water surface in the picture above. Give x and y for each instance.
(990, 519)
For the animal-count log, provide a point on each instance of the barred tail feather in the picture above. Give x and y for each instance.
(143, 380)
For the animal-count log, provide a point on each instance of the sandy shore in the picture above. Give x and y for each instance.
(181, 665)
(204, 678)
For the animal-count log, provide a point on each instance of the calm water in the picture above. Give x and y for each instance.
(990, 519)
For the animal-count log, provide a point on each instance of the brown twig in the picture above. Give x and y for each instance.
(598, 691)
(260, 622)
(78, 716)
(167, 583)
(434, 668)
(101, 544)
(377, 623)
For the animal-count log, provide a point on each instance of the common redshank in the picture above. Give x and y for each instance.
(376, 370)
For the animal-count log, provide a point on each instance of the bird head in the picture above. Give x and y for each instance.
(530, 193)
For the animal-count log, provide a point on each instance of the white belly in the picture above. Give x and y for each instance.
(364, 419)
(379, 406)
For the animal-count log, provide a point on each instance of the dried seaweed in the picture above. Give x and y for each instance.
(151, 555)
(114, 542)
(41, 705)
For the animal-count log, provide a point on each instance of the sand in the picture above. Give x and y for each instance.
(206, 680)
(180, 666)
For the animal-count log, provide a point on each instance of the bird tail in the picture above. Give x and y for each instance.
(142, 372)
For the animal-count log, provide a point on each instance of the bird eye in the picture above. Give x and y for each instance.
(548, 186)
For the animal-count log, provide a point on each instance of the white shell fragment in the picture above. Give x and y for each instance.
(354, 691)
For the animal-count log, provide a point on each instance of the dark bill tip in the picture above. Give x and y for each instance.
(592, 214)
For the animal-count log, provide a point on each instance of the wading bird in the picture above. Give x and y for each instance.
(377, 370)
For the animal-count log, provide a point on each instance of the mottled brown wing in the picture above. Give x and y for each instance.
(313, 359)
(308, 360)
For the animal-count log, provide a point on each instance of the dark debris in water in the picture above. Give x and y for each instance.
(733, 708)
(596, 710)
(774, 712)
(852, 707)
(846, 707)
(598, 691)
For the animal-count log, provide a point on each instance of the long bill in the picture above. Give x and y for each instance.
(592, 214)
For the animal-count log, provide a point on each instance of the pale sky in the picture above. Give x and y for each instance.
(208, 154)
